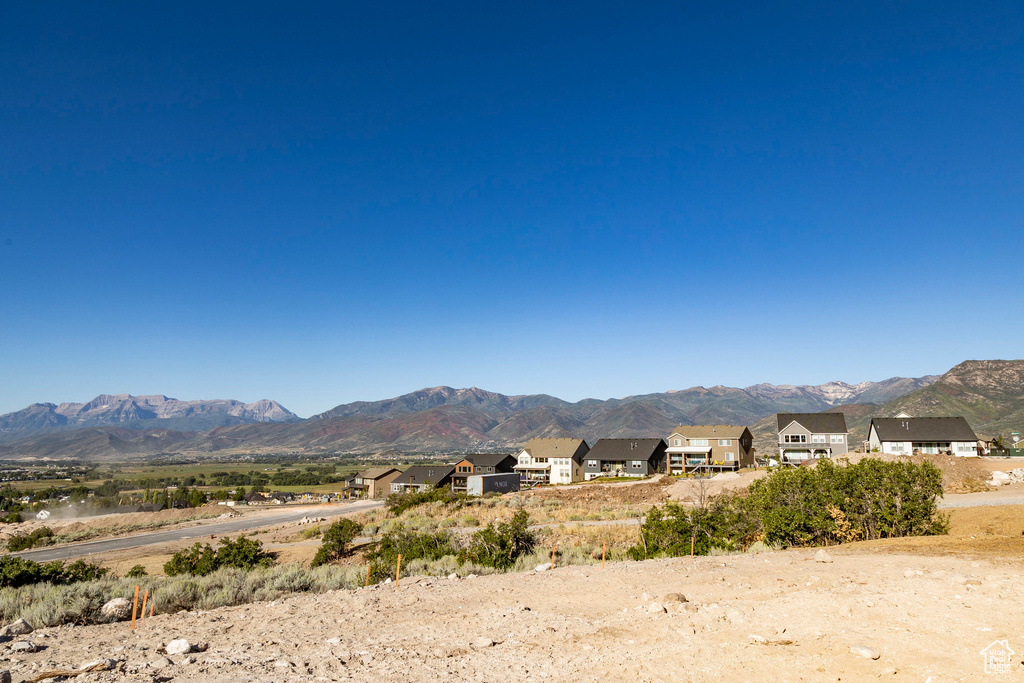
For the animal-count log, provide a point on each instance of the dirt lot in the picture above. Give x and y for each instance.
(779, 616)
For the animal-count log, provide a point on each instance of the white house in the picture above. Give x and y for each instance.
(551, 461)
(925, 435)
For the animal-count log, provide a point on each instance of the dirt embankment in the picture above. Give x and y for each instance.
(778, 616)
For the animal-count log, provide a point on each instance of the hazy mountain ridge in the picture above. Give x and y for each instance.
(138, 413)
(432, 419)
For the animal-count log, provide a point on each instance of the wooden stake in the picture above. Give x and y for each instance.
(152, 605)
(552, 555)
(367, 574)
(398, 571)
(691, 546)
(604, 549)
(135, 606)
(145, 598)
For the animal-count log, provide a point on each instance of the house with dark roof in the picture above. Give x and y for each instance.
(624, 458)
(922, 435)
(808, 436)
(374, 482)
(422, 477)
(481, 463)
(706, 449)
(551, 461)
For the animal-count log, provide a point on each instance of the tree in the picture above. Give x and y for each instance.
(239, 494)
(335, 541)
(197, 498)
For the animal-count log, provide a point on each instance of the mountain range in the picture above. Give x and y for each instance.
(138, 412)
(429, 420)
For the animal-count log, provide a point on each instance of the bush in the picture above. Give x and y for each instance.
(411, 546)
(17, 571)
(397, 503)
(136, 571)
(21, 542)
(200, 560)
(335, 541)
(826, 504)
(501, 546)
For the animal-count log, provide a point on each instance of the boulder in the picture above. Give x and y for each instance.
(118, 609)
(542, 567)
(865, 652)
(24, 646)
(161, 663)
(822, 556)
(482, 642)
(655, 608)
(16, 628)
(178, 647)
(673, 597)
(98, 665)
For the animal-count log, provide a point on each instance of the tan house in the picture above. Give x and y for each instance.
(551, 461)
(376, 482)
(706, 449)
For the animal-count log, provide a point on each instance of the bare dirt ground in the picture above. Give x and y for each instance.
(776, 616)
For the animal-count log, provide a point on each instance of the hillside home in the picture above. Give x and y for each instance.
(551, 461)
(375, 482)
(807, 436)
(624, 458)
(422, 477)
(709, 448)
(922, 435)
(481, 463)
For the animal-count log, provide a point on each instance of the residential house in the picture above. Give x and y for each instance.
(551, 461)
(481, 463)
(709, 448)
(624, 458)
(807, 436)
(924, 435)
(375, 482)
(421, 477)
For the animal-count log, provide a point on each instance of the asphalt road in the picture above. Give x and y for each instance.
(253, 521)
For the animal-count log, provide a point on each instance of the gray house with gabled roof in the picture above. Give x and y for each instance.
(421, 477)
(922, 435)
(624, 458)
(808, 436)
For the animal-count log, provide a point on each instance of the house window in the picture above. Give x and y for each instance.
(730, 457)
(795, 438)
(698, 442)
(591, 463)
(637, 464)
(725, 442)
(837, 438)
(898, 446)
(677, 442)
(819, 438)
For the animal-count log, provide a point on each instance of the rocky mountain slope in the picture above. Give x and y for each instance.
(138, 412)
(436, 419)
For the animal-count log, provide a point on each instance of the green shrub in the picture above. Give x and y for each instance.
(336, 540)
(200, 560)
(21, 542)
(411, 545)
(805, 506)
(136, 571)
(500, 546)
(17, 571)
(397, 503)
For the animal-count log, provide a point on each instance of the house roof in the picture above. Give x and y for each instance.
(488, 459)
(923, 429)
(557, 448)
(377, 472)
(625, 449)
(817, 423)
(424, 474)
(710, 431)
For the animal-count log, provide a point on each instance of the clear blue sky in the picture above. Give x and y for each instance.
(320, 203)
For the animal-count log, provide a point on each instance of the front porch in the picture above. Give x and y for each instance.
(795, 456)
(531, 475)
(696, 460)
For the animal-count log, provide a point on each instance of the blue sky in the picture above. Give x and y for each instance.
(321, 203)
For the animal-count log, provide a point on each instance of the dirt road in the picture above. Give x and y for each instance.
(204, 530)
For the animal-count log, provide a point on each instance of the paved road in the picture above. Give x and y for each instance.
(204, 530)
